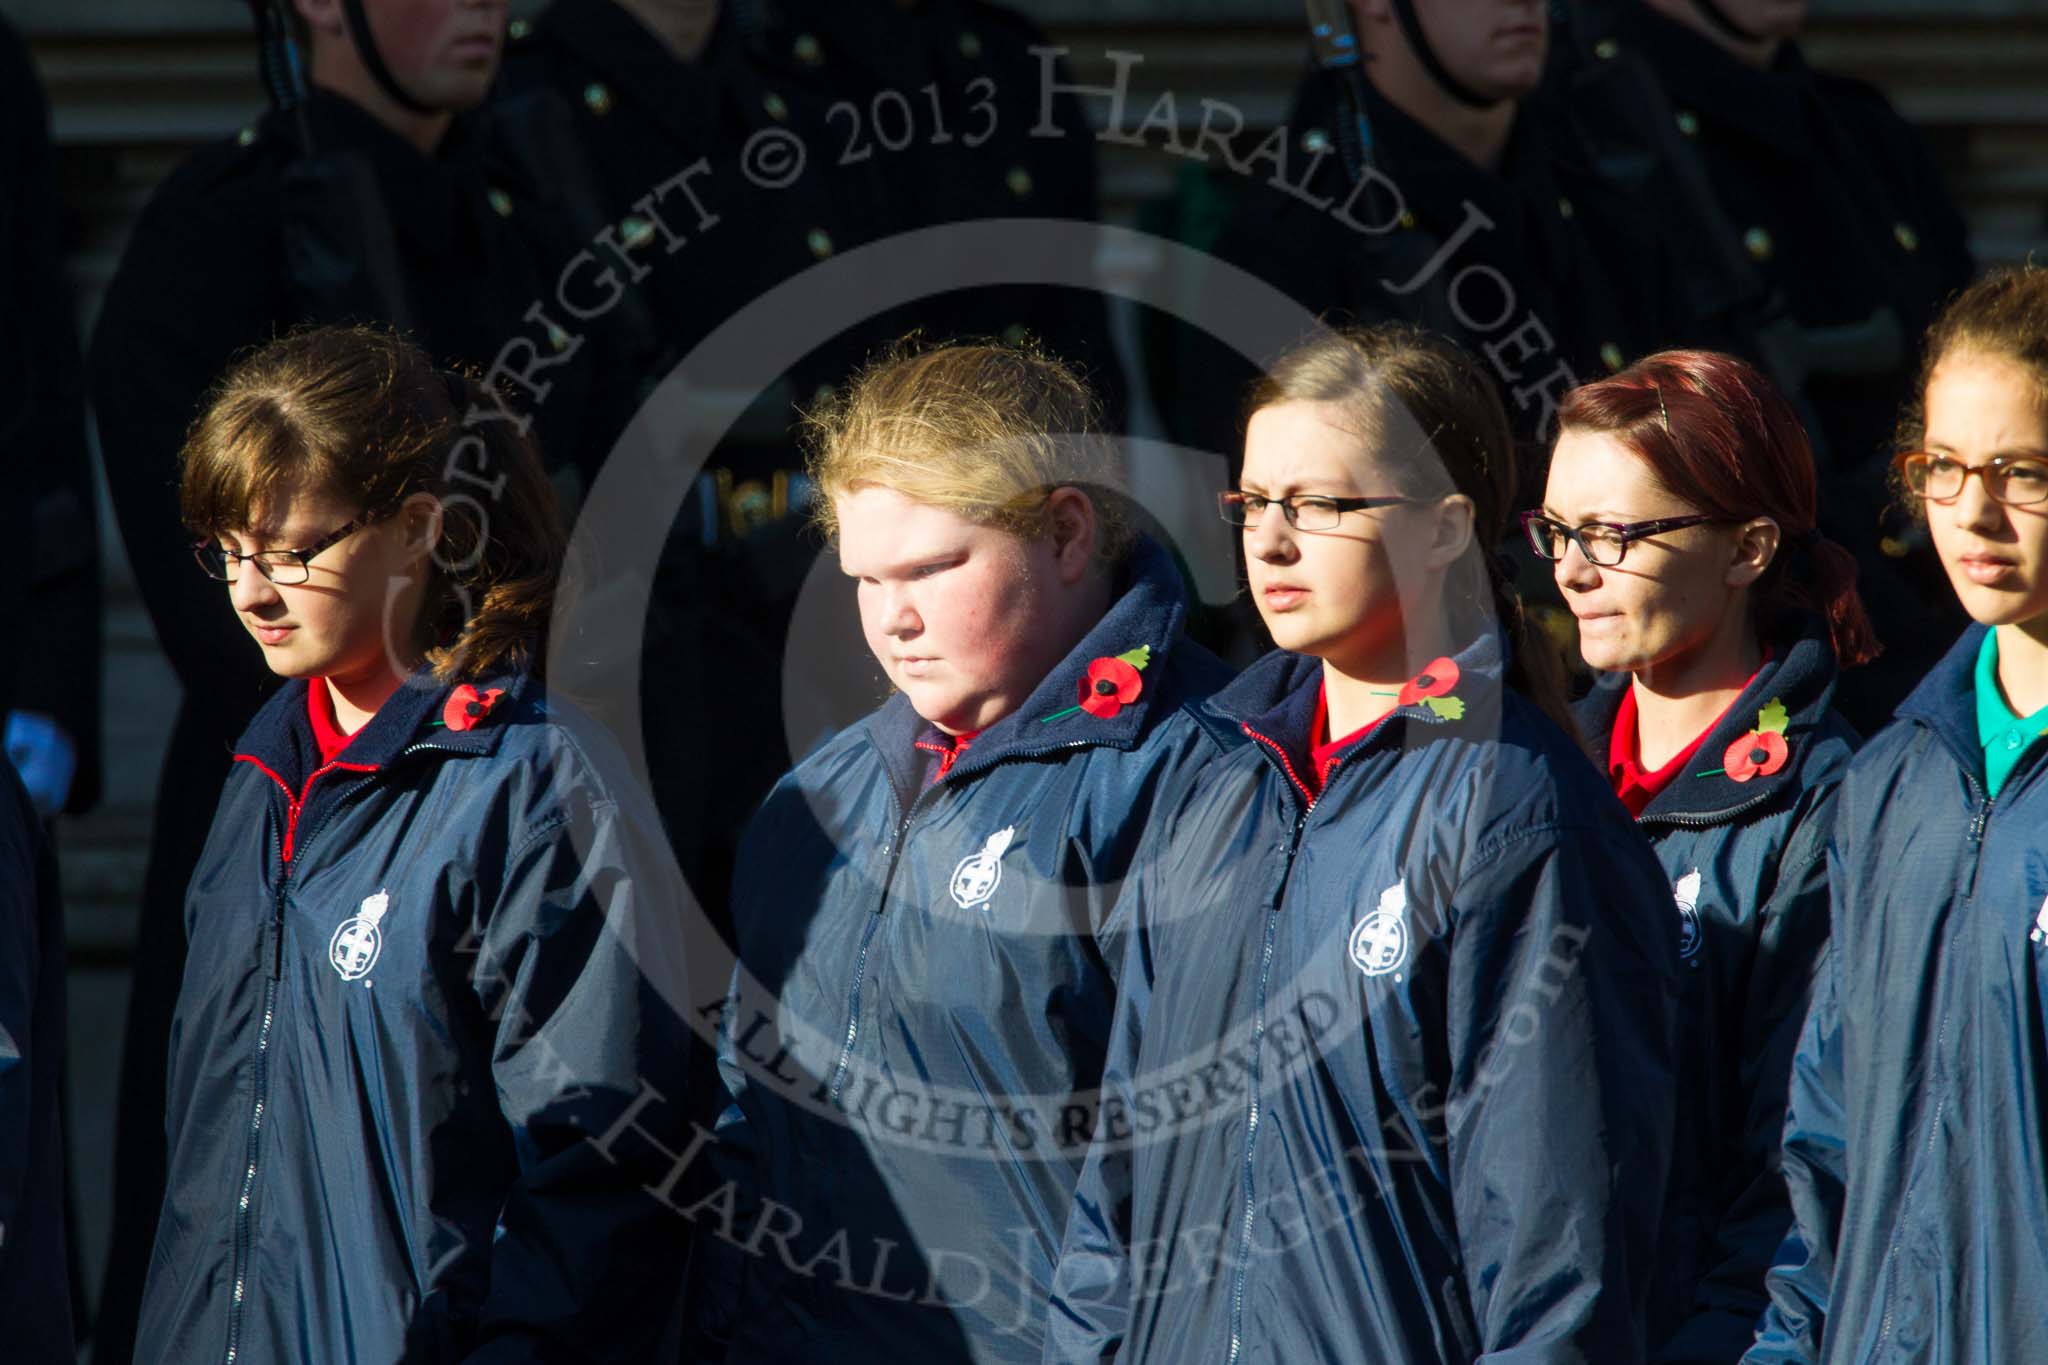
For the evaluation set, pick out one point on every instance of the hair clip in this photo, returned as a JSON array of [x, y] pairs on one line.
[[1662, 411]]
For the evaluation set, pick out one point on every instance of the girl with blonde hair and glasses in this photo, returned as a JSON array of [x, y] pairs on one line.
[[430, 940], [1395, 1024]]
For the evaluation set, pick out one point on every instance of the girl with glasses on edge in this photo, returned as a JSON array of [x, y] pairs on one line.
[[418, 996], [1391, 1079], [1913, 1145], [1679, 512]]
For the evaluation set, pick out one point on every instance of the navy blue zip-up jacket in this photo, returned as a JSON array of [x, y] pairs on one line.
[[1392, 1071], [1916, 1143], [924, 995], [413, 1018], [1747, 864], [35, 1288]]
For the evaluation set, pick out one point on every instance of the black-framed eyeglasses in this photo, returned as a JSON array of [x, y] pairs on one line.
[[287, 568], [2015, 480], [1603, 543], [1304, 511]]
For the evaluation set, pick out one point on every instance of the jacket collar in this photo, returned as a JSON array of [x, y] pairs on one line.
[[1274, 702], [1150, 611], [674, 93], [1801, 675], [280, 738], [1946, 701], [1769, 107], [437, 193]]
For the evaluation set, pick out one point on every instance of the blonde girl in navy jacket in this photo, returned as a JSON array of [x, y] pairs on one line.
[[1391, 1078]]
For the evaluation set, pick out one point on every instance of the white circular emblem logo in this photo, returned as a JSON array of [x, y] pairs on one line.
[[1379, 942], [980, 873], [1686, 891], [353, 949]]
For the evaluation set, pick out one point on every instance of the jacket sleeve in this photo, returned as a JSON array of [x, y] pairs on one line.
[[718, 1268], [1559, 1107], [35, 1294], [1091, 1285], [581, 955], [1816, 1170], [1792, 935]]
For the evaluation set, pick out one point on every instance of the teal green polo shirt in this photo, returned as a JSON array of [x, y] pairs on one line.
[[2005, 736]]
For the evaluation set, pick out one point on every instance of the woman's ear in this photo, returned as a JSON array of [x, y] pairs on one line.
[[1072, 513], [1756, 545], [419, 519], [1450, 531]]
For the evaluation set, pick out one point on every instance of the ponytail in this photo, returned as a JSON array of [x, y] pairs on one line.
[[501, 551], [1534, 669], [1814, 575]]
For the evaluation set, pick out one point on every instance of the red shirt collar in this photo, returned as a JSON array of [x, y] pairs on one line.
[[1324, 756], [949, 748], [1636, 786], [327, 732]]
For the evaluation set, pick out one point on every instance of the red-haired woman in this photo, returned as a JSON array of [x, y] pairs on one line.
[[1679, 514]]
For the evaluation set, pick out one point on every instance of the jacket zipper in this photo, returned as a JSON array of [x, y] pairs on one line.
[[860, 961], [867, 933], [1272, 907], [1251, 1127], [1706, 819], [1977, 822], [260, 1080]]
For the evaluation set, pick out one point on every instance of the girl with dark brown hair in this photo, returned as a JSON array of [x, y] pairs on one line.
[[1913, 1137], [415, 988]]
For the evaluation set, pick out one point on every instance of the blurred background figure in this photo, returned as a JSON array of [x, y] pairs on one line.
[[1835, 205], [1426, 178], [50, 675], [374, 191], [35, 1277], [50, 620]]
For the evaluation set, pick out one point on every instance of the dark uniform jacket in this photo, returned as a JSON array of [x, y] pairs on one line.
[[50, 527], [1746, 861], [35, 1283], [422, 993], [1843, 214], [924, 993], [1552, 275], [1392, 1075], [1913, 1144]]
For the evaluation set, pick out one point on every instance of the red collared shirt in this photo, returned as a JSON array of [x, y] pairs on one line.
[[1323, 756], [1636, 786], [949, 748], [327, 731]]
